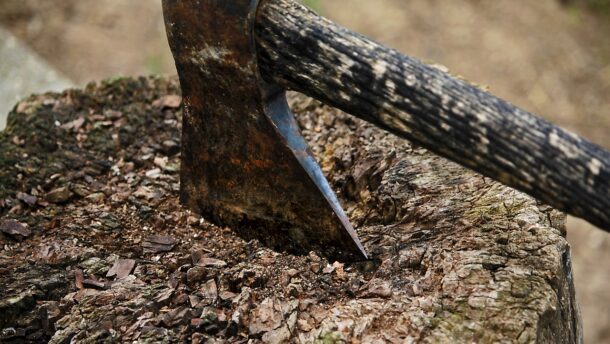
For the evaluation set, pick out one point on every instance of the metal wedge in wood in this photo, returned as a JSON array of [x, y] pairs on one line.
[[244, 161]]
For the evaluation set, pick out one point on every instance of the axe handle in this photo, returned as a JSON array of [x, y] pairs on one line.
[[310, 54]]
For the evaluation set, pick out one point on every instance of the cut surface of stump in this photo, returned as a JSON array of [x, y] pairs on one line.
[[111, 255]]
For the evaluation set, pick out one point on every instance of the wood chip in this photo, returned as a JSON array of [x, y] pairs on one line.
[[79, 278], [209, 291], [339, 270], [121, 268], [27, 199], [94, 284], [329, 269], [158, 243], [75, 124], [169, 101], [160, 161], [212, 263], [59, 195], [377, 288], [164, 297], [266, 317], [177, 316], [227, 295], [15, 229]]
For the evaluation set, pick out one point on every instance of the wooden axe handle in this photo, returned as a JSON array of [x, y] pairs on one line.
[[310, 54]]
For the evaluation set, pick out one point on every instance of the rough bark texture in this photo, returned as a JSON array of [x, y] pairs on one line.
[[458, 258], [312, 55]]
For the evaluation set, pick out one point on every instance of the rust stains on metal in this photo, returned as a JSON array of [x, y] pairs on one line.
[[244, 161]]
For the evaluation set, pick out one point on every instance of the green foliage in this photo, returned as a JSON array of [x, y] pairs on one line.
[[153, 65], [330, 338], [596, 6], [599, 5], [313, 4]]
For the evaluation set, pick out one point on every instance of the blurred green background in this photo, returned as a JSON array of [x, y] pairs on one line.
[[551, 57]]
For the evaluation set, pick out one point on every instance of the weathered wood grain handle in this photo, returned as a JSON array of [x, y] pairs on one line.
[[307, 53]]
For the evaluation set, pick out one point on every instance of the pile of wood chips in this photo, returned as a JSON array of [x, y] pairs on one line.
[[94, 245]]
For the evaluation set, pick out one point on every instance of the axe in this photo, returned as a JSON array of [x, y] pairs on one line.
[[246, 165]]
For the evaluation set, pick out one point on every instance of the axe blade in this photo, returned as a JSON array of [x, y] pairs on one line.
[[244, 161]]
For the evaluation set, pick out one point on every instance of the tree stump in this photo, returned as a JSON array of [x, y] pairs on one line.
[[95, 246]]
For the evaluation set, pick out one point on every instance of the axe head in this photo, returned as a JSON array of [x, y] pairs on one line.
[[244, 161]]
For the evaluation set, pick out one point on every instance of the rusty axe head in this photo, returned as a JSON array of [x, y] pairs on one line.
[[244, 161]]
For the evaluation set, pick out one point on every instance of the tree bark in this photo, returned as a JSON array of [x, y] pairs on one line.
[[307, 53], [457, 258]]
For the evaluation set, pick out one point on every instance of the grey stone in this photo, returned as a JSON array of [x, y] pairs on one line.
[[23, 72]]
